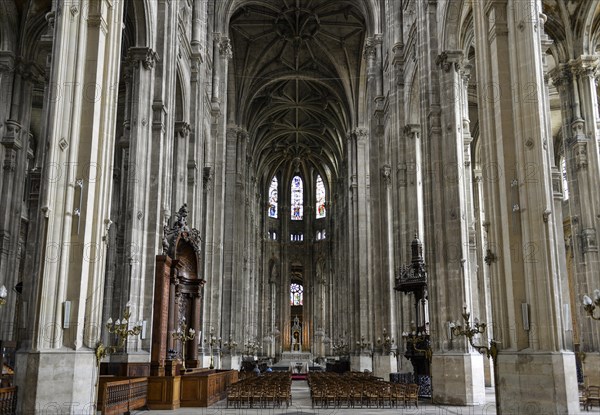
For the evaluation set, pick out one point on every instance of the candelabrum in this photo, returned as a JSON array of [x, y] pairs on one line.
[[230, 345], [251, 347], [590, 305], [3, 295], [184, 335], [211, 341], [121, 329], [471, 331], [363, 344], [419, 341], [386, 342]]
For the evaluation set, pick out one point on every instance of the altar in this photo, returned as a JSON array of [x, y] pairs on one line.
[[295, 362]]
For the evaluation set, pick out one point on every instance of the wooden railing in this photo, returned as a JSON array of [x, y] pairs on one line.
[[121, 396], [8, 401]]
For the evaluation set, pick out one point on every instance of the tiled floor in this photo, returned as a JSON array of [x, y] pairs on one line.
[[301, 405]]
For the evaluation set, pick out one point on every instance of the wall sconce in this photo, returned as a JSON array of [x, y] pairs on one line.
[[230, 345], [3, 295], [363, 344], [589, 306], [184, 336], [122, 331], [387, 342], [471, 331]]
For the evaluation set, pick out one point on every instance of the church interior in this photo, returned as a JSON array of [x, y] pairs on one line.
[[382, 192]]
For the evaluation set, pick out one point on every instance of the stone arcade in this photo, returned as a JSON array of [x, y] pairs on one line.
[[305, 142]]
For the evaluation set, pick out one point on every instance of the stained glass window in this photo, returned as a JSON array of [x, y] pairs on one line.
[[273, 198], [296, 294], [565, 182], [297, 198], [320, 193]]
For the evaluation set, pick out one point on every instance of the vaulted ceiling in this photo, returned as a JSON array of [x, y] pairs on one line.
[[297, 69]]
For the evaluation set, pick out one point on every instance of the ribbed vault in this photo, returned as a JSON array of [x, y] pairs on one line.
[[297, 66]]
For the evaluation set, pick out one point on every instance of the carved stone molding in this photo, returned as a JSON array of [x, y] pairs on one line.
[[12, 135], [182, 129], [144, 55], [580, 155], [585, 66], [370, 50], [207, 178], [225, 49], [451, 59], [590, 243], [386, 174]]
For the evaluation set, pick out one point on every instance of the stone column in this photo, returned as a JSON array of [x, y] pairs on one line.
[[575, 82], [215, 157], [80, 134], [456, 370], [524, 255], [360, 253]]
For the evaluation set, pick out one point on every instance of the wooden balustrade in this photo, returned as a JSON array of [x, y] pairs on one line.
[[8, 400], [118, 395]]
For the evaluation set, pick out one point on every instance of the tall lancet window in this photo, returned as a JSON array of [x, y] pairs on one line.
[[320, 196], [297, 198], [296, 292], [273, 198]]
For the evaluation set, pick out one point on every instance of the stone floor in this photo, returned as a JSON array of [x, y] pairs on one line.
[[301, 405]]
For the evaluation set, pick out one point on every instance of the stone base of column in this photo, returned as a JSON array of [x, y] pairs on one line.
[[360, 363], [231, 362], [591, 369], [457, 379], [537, 383], [384, 365], [488, 372], [56, 381]]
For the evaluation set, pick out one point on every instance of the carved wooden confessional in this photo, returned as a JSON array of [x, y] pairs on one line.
[[177, 297]]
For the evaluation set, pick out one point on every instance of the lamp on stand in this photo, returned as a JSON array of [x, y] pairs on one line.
[[183, 334], [211, 341]]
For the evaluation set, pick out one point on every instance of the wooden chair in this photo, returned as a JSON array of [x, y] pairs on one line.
[[412, 394], [398, 394], [593, 397]]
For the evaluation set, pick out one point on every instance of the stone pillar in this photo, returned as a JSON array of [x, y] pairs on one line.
[[456, 370], [524, 255], [86, 48], [360, 252], [575, 82]]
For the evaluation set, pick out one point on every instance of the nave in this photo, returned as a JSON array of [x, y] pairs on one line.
[[301, 404]]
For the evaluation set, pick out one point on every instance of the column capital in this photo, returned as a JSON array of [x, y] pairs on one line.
[[144, 55], [370, 49], [412, 130], [450, 59], [182, 128], [225, 49], [585, 65]]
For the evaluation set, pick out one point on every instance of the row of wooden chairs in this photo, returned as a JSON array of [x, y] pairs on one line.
[[267, 390], [332, 390]]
